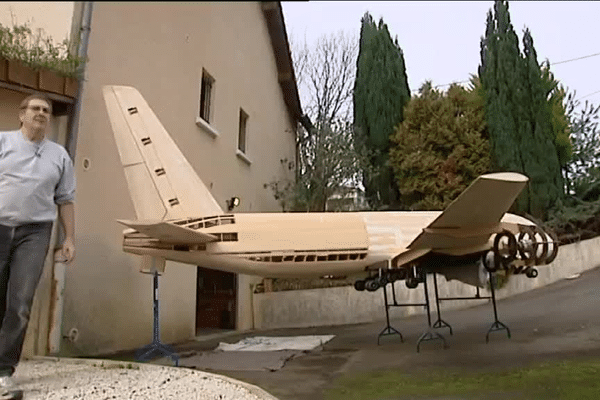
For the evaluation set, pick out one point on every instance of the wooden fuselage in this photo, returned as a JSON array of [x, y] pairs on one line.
[[302, 244]]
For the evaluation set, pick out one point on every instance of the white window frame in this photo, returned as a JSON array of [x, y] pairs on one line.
[[206, 123], [242, 137]]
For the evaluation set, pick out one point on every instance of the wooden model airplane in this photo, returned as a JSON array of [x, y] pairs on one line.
[[179, 220]]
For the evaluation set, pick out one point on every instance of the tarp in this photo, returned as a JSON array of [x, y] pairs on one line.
[[239, 360], [265, 343]]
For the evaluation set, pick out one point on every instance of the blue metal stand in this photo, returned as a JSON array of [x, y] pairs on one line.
[[156, 348]]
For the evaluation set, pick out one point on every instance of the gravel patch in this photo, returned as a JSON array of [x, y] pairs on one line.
[[65, 379]]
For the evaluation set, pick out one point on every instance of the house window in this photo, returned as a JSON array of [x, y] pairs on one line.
[[242, 135], [207, 89]]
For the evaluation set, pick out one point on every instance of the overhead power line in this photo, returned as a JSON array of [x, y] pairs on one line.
[[588, 95], [555, 63], [575, 59]]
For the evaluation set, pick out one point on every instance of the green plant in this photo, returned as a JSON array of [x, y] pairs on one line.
[[38, 50]]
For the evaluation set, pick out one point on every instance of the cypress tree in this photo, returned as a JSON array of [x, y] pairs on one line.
[[518, 113], [538, 148], [380, 93]]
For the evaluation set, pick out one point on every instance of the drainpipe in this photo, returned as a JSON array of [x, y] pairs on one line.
[[86, 20], [59, 267]]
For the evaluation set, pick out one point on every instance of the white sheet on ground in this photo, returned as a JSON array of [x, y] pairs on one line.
[[264, 343]]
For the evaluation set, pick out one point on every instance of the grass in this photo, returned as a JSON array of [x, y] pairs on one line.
[[565, 380]]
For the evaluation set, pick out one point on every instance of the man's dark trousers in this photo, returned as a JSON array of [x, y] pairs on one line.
[[23, 250]]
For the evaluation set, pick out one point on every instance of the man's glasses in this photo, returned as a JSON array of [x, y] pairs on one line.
[[46, 110]]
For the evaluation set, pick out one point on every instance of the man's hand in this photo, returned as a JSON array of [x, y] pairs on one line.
[[68, 250]]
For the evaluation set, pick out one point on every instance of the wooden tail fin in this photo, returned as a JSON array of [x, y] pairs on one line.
[[162, 184]]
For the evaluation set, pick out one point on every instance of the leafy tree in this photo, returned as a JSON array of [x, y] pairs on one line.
[[380, 93], [441, 146], [578, 216], [518, 113], [328, 160], [583, 168]]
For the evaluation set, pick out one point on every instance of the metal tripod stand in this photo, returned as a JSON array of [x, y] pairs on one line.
[[156, 348]]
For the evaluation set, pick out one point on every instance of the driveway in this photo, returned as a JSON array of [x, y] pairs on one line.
[[558, 321]]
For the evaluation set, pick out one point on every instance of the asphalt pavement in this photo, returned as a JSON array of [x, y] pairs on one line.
[[559, 321]]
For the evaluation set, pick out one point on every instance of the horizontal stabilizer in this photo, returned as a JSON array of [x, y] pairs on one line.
[[169, 233]]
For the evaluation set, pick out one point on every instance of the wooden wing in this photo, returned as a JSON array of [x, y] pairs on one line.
[[474, 216]]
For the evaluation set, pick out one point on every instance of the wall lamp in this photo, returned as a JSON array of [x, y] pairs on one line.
[[232, 203]]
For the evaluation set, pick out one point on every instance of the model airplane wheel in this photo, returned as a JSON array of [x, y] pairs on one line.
[[412, 283], [531, 272], [509, 252], [359, 285], [397, 275], [371, 285]]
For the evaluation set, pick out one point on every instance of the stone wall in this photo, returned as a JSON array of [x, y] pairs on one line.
[[344, 305]]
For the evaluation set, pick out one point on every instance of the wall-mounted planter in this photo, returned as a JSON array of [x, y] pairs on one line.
[[3, 68], [71, 86], [51, 82], [21, 74]]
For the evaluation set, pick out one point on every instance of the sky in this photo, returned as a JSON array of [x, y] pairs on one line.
[[441, 39]]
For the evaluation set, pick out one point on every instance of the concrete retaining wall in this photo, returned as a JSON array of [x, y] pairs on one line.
[[344, 305]]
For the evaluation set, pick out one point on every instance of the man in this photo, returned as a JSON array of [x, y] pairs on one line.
[[36, 175]]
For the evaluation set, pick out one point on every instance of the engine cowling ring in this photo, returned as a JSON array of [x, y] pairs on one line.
[[489, 265], [526, 243], [541, 257], [555, 244], [512, 247]]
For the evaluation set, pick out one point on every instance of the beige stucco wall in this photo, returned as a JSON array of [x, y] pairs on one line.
[[160, 49], [9, 109]]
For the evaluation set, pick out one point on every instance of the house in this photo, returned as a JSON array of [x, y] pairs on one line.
[[219, 76], [347, 198]]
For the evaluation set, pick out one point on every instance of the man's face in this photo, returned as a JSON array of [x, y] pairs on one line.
[[36, 115]]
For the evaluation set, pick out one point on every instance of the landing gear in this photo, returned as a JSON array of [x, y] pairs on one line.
[[373, 283], [359, 285], [412, 283], [531, 272], [418, 274]]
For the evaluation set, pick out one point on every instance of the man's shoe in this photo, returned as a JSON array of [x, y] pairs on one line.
[[9, 390]]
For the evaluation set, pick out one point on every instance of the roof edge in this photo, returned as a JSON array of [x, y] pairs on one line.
[[281, 48]]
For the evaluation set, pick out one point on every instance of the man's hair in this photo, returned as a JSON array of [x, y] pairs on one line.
[[39, 96]]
